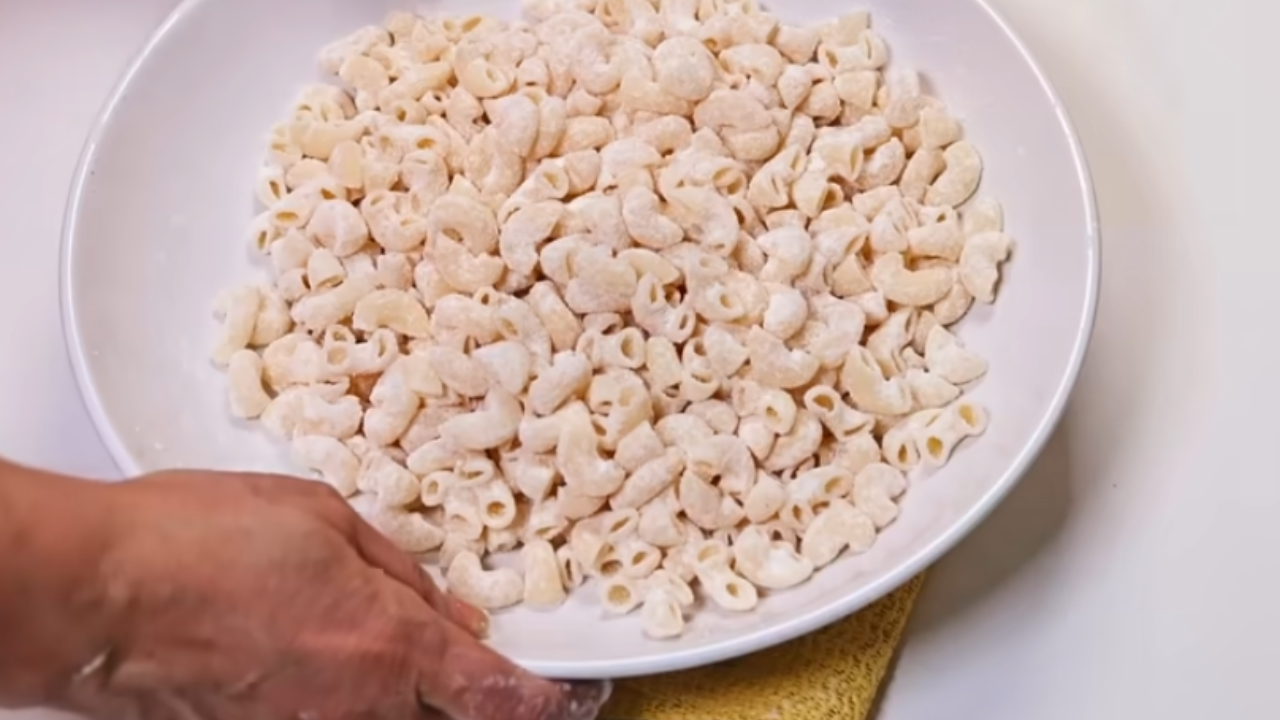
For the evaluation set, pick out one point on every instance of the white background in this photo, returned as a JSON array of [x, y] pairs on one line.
[[1133, 574]]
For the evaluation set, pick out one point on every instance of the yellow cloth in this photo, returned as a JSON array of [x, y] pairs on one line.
[[833, 674]]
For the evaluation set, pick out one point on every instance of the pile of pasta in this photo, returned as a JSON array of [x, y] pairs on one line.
[[655, 292]]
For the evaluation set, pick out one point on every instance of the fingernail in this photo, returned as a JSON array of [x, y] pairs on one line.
[[586, 699], [477, 619]]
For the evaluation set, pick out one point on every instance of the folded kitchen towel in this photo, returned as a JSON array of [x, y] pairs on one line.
[[832, 674]]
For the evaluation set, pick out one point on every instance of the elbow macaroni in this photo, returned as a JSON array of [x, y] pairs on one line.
[[660, 295]]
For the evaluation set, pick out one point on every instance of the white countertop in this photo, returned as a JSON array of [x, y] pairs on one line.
[[1131, 574]]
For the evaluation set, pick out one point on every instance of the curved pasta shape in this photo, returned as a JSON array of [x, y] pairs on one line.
[[493, 425], [769, 564], [874, 489], [396, 310], [959, 180], [728, 590], [524, 231], [837, 527], [980, 260], [946, 357], [485, 589], [777, 366]]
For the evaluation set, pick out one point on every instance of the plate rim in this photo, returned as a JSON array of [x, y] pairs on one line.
[[732, 647]]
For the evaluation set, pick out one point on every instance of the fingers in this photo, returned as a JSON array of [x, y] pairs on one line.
[[469, 681], [373, 547], [381, 553]]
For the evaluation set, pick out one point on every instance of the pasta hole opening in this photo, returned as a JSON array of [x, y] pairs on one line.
[[614, 325], [495, 510], [619, 525], [968, 414], [654, 294], [854, 160], [903, 455], [631, 346], [598, 426], [287, 217], [935, 447], [262, 240], [735, 590], [825, 402], [724, 177], [619, 595], [612, 568]]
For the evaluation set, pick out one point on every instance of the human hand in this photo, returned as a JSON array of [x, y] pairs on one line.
[[259, 596]]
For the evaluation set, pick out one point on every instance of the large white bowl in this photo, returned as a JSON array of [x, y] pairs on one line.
[[156, 226]]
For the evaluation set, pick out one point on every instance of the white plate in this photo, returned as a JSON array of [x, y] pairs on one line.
[[156, 227]]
